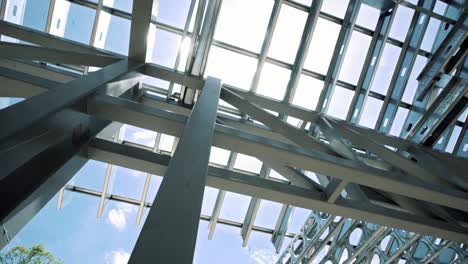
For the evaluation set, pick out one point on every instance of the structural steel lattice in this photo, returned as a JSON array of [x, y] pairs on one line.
[[407, 200]]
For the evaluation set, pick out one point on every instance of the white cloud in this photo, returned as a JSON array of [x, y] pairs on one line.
[[118, 216], [263, 257], [117, 257]]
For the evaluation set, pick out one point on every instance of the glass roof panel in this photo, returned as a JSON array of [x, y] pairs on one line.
[[453, 139], [370, 112], [35, 14], [234, 207], [412, 84], [267, 214], [368, 17], [248, 163], [118, 34], [355, 57], [173, 12], [233, 68], [248, 32], [335, 7], [401, 23], [209, 200], [165, 48], [90, 176], [219, 156], [307, 92], [287, 34], [340, 102], [126, 182], [273, 81], [124, 5], [399, 121], [322, 46], [430, 34], [385, 69]]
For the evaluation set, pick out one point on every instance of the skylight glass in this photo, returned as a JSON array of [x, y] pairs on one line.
[[233, 68], [399, 121], [308, 92], [453, 139], [355, 57], [287, 34], [322, 46], [35, 14], [401, 23], [340, 102], [335, 7], [412, 84], [273, 81], [233, 57], [385, 69], [248, 163], [368, 17], [118, 34], [248, 32], [234, 207], [173, 12], [91, 175], [370, 112], [127, 182], [165, 48], [430, 34], [267, 214], [219, 156]]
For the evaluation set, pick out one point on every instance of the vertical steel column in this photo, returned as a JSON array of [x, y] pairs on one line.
[[176, 208], [404, 67], [370, 65], [141, 18], [197, 68]]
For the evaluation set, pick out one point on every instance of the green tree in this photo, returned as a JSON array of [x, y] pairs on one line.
[[34, 255]]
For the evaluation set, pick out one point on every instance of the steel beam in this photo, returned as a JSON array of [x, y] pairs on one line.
[[404, 67], [379, 39], [142, 159], [26, 189], [182, 188], [197, 67], [141, 18], [303, 49], [339, 53], [51, 55], [28, 112], [266, 44], [442, 60], [312, 160], [47, 40]]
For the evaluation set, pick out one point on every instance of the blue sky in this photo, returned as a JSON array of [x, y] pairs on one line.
[[75, 234]]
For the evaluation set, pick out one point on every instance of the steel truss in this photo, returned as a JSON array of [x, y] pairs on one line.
[[67, 119]]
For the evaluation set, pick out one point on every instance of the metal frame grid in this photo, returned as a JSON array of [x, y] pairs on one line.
[[362, 174]]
